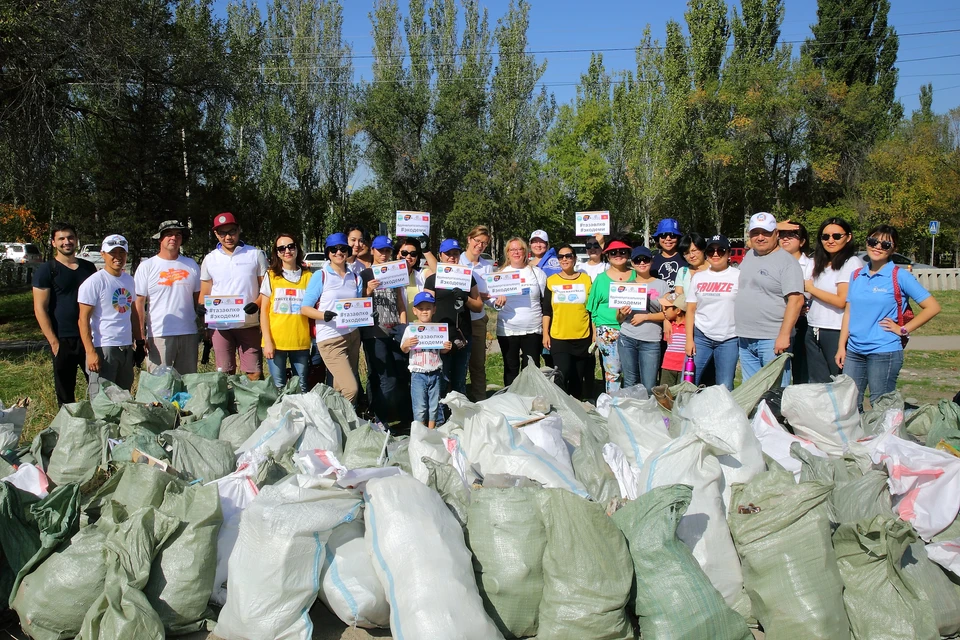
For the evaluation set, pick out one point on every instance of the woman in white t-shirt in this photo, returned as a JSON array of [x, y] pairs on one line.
[[834, 261], [520, 318], [711, 330]]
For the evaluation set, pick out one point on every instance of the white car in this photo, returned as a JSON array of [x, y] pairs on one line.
[[22, 253], [314, 259], [91, 252]]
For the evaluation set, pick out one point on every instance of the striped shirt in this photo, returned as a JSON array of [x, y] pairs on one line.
[[677, 349]]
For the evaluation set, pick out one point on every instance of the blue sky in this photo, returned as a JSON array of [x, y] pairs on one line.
[[612, 24]]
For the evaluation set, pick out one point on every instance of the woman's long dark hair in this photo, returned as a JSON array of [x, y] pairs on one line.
[[415, 242], [276, 264], [822, 259]]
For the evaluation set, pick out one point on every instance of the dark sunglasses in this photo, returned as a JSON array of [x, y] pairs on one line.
[[835, 236], [406, 253], [619, 253], [642, 260], [788, 235], [591, 245], [287, 247], [340, 248], [716, 251], [670, 236], [566, 256], [886, 245]]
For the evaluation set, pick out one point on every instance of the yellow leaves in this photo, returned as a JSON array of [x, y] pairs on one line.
[[19, 224], [740, 122], [827, 169]]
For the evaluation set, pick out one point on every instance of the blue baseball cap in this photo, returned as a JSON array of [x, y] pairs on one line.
[[667, 225], [640, 251], [381, 242], [423, 296], [449, 245], [336, 239]]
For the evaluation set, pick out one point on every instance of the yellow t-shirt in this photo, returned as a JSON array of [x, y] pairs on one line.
[[290, 329], [568, 299]]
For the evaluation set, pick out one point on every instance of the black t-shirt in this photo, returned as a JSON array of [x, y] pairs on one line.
[[667, 268], [63, 283], [385, 308], [451, 308]]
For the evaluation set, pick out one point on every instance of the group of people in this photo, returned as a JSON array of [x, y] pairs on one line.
[[832, 310]]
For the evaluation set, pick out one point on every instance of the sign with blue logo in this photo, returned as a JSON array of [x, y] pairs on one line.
[[934, 227]]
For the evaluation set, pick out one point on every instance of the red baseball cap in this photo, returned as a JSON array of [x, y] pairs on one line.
[[616, 244], [223, 218]]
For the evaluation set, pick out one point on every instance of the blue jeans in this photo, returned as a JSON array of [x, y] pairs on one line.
[[640, 361], [756, 353], [724, 354], [299, 360], [879, 371], [425, 390]]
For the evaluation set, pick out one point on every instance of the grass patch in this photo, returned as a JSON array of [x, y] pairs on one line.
[[929, 376], [947, 322], [31, 375], [17, 321]]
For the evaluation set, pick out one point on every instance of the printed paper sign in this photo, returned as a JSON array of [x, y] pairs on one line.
[[628, 294], [569, 294], [454, 276], [354, 312], [430, 336], [413, 223], [224, 310], [504, 284], [287, 301], [590, 223], [391, 274]]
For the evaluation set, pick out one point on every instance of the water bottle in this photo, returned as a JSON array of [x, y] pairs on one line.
[[689, 370]]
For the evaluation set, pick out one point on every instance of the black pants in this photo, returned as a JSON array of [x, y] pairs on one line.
[[576, 366], [388, 380], [798, 347], [70, 356], [529, 344], [822, 345]]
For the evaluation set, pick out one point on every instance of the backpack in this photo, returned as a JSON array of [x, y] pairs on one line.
[[904, 312]]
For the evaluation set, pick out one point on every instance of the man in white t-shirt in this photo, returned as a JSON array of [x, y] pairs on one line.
[[108, 319], [169, 282], [234, 271]]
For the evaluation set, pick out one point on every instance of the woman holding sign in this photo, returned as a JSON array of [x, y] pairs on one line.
[[604, 316], [566, 324], [286, 332], [338, 342], [520, 321], [641, 324], [455, 290], [387, 371]]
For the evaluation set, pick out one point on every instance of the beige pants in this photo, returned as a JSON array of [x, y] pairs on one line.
[[478, 360], [179, 352], [342, 357]]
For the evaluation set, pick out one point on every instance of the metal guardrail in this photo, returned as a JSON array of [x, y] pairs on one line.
[[15, 276], [938, 279]]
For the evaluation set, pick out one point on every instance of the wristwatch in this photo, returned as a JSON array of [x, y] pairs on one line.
[[904, 333]]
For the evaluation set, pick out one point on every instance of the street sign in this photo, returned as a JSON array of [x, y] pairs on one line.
[[934, 227]]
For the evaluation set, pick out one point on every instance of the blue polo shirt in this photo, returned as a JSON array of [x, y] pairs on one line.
[[871, 300]]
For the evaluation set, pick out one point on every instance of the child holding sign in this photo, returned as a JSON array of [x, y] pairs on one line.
[[426, 367]]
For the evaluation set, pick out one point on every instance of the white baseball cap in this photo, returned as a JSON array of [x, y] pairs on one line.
[[540, 234], [763, 220], [113, 241]]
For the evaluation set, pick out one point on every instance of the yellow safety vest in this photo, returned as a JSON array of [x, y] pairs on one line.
[[290, 329]]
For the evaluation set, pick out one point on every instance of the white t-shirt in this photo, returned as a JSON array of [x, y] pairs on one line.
[[522, 314], [482, 268], [714, 293], [821, 314], [171, 288], [592, 270], [235, 275], [112, 300], [290, 276], [421, 360]]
